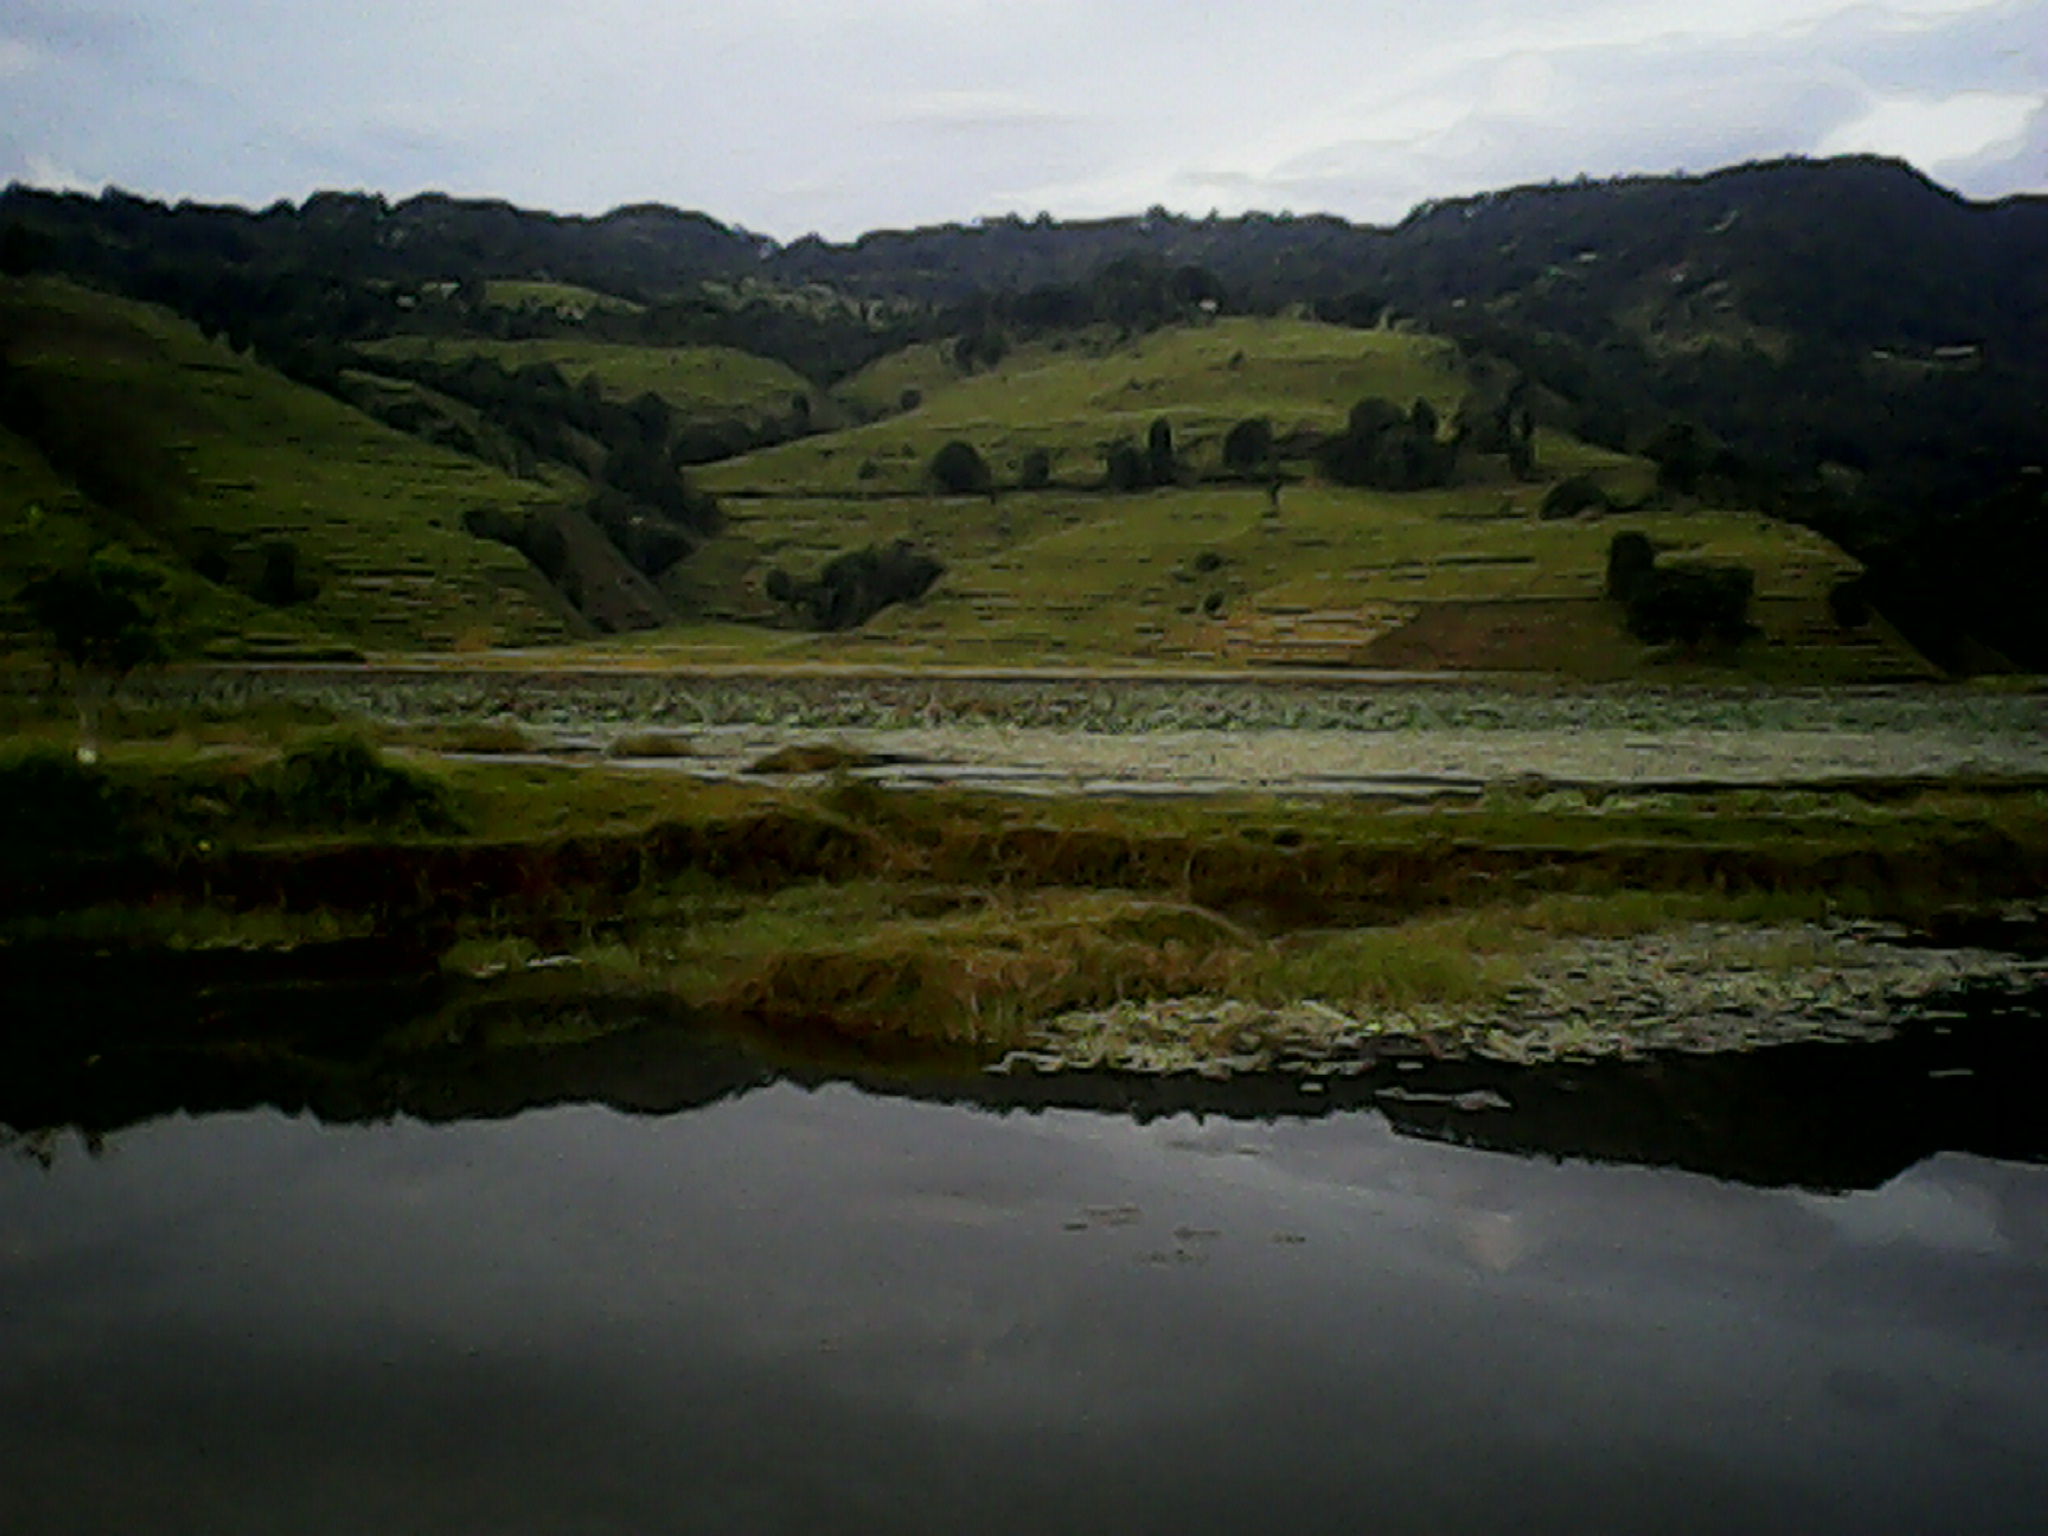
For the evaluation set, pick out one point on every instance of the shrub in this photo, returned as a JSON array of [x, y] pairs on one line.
[[1124, 468], [1388, 449], [1568, 498], [1248, 447], [854, 587], [958, 469], [342, 780], [1690, 603]]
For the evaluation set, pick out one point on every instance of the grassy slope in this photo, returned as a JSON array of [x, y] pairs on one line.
[[695, 381], [377, 515], [1467, 576]]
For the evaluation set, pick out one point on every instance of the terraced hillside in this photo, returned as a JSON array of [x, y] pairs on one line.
[[696, 381], [145, 431], [1209, 570]]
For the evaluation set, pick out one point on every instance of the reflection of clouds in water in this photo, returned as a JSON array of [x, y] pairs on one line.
[[1496, 1240], [1951, 1203]]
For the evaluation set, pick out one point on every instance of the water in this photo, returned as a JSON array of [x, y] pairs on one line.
[[487, 1296]]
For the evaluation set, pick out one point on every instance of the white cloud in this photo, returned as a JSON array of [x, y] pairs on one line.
[[965, 109], [1932, 134], [42, 171], [17, 58]]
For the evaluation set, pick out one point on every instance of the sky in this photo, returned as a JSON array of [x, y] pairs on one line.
[[840, 116]]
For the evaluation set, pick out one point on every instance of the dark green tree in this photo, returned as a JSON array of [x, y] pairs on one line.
[[1124, 468], [1160, 467], [1248, 447], [104, 618], [1630, 558], [959, 470]]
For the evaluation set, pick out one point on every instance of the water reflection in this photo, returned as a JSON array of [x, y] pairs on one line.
[[1825, 1117], [808, 1307]]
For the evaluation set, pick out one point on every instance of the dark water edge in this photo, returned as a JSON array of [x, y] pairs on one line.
[[104, 1050]]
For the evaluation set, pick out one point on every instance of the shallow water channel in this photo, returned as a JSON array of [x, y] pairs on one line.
[[654, 1283]]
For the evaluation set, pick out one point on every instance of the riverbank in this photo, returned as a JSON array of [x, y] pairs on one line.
[[1233, 933]]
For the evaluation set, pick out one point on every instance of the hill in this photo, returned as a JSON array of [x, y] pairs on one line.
[[1205, 569], [1842, 345], [124, 422]]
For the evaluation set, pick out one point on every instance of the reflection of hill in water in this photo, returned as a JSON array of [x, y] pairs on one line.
[[1819, 1116]]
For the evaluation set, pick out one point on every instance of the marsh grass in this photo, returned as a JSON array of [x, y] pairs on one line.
[[873, 913]]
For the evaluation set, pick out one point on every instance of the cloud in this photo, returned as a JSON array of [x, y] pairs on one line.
[[1933, 134], [42, 171], [967, 109], [17, 58], [795, 114]]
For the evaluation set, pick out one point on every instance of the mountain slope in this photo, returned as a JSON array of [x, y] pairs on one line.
[[174, 442]]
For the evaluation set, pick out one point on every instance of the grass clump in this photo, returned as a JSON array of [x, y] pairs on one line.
[[343, 781]]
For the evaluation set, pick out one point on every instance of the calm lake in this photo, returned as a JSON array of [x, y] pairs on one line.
[[654, 1284]]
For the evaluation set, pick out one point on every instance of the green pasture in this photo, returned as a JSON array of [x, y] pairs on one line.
[[696, 381], [1076, 397], [1209, 576]]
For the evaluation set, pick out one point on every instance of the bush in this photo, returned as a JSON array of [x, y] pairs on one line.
[[1690, 603], [1248, 447], [1388, 449], [1568, 498], [959, 470], [855, 587], [342, 780], [1124, 468]]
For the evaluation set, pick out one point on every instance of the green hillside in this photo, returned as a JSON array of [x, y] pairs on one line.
[[1075, 397], [177, 444], [695, 381], [147, 432], [1205, 572]]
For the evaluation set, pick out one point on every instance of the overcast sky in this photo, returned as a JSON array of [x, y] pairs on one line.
[[840, 116]]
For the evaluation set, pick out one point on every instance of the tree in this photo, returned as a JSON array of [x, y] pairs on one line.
[[1389, 449], [1630, 559], [1124, 468], [104, 618], [856, 586], [1248, 447], [959, 470], [1159, 461]]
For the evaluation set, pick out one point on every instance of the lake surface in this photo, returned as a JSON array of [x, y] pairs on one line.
[[759, 1302]]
